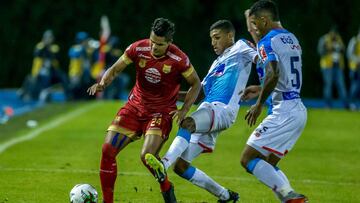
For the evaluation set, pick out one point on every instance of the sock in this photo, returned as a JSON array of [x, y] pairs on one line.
[[285, 179], [177, 147], [108, 172], [165, 185], [200, 179], [282, 175], [267, 174]]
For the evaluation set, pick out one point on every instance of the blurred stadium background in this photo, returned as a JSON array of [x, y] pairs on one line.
[[23, 23], [62, 148]]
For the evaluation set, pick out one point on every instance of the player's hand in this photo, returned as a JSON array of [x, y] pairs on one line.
[[97, 87], [178, 115], [250, 92], [253, 113]]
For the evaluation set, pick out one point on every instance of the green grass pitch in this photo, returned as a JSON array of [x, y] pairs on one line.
[[64, 150]]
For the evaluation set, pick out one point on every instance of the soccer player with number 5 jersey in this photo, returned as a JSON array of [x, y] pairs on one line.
[[280, 53]]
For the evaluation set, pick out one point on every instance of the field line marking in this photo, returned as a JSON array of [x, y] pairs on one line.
[[52, 124], [125, 173]]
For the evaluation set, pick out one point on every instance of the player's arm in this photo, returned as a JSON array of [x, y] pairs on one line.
[[200, 97], [193, 92], [250, 92], [271, 79], [109, 75], [193, 80]]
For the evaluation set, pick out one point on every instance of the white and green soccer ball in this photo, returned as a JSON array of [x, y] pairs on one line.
[[83, 193]]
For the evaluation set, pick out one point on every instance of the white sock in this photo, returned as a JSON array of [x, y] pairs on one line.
[[267, 174], [204, 181], [177, 147], [283, 176]]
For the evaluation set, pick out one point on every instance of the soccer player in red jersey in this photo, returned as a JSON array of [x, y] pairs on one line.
[[151, 106]]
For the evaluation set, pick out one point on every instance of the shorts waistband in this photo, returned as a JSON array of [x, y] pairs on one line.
[[283, 96]]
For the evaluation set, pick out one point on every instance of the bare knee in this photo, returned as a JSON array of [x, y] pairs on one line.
[[181, 166], [189, 124], [248, 155]]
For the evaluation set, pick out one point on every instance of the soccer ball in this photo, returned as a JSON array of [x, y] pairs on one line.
[[83, 193]]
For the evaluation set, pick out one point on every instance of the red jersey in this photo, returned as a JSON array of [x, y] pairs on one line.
[[157, 79]]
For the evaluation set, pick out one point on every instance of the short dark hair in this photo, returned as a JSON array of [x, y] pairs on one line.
[[224, 25], [265, 5], [163, 27]]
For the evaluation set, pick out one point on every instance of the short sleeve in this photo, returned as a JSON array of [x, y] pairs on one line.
[[130, 54], [187, 68], [266, 51]]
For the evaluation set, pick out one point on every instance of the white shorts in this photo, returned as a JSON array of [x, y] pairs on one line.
[[210, 119], [278, 132]]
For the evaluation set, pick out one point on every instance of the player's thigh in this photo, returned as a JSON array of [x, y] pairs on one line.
[[203, 118], [127, 123], [211, 117]]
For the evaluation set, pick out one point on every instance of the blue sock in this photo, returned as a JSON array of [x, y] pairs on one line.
[[189, 173], [186, 134]]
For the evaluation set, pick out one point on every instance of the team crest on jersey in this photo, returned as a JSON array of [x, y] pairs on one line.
[[152, 75], [142, 63], [166, 69], [117, 119], [263, 54]]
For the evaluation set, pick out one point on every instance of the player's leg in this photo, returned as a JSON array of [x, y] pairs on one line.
[[292, 196], [200, 121], [255, 163], [157, 133], [197, 177], [114, 143], [124, 129], [268, 144]]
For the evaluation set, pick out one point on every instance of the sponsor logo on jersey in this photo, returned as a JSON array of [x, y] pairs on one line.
[[166, 69], [173, 56], [142, 63], [143, 48], [152, 75], [219, 70], [263, 54]]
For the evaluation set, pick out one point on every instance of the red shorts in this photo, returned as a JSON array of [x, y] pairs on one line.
[[132, 124]]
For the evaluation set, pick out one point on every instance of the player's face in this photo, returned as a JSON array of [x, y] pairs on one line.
[[158, 45], [257, 24], [220, 40]]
